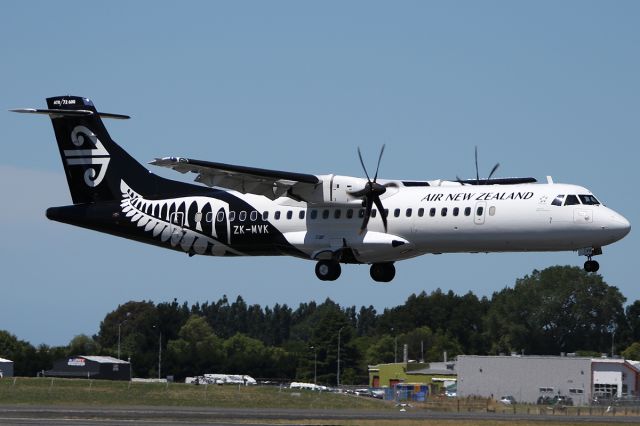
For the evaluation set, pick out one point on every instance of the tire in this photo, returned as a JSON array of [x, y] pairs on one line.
[[382, 272], [328, 270]]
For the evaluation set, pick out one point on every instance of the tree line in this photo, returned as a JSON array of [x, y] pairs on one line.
[[559, 309]]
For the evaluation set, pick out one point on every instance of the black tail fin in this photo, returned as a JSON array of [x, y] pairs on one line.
[[94, 164]]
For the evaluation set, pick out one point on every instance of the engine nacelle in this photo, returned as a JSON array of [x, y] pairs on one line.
[[338, 189]]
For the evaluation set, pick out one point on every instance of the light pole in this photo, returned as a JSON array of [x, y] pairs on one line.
[[119, 325], [315, 364], [160, 356], [395, 346], [613, 336], [159, 351], [338, 378]]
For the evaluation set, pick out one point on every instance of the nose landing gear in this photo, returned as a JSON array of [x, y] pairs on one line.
[[591, 265]]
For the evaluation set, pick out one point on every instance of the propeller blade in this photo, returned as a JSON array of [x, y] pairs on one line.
[[378, 166], [493, 171], [363, 167], [367, 215], [477, 174], [378, 203]]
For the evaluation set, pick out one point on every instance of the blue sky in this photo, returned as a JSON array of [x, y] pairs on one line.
[[544, 88]]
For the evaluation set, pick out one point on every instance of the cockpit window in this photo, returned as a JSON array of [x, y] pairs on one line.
[[571, 200], [589, 200], [558, 200]]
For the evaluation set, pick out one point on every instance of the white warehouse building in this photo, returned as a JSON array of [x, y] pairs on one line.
[[6, 368], [527, 378]]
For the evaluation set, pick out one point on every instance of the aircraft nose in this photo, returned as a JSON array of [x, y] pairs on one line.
[[619, 225]]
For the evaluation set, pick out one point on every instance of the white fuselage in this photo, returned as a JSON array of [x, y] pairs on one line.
[[447, 219]]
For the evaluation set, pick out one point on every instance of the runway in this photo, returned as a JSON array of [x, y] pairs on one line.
[[161, 416]]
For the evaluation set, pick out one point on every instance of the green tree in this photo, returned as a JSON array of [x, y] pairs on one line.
[[197, 351], [555, 310], [245, 355], [632, 352], [83, 345]]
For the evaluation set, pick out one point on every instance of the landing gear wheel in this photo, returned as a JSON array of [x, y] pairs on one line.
[[383, 272], [328, 270], [591, 266]]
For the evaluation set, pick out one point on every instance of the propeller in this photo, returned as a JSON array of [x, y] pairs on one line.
[[371, 194], [485, 181]]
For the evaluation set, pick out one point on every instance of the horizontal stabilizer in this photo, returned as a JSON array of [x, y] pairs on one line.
[[68, 113]]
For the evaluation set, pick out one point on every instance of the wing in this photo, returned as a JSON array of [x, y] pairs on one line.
[[270, 183]]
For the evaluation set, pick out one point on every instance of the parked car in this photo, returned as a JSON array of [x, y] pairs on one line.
[[562, 400], [363, 392], [378, 393], [508, 400]]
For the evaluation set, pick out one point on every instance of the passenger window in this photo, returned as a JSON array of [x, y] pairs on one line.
[[232, 216], [479, 211], [209, 216], [276, 216], [456, 211], [265, 215], [558, 200], [571, 200], [467, 211], [361, 213], [198, 217], [337, 213], [301, 214], [443, 212], [314, 214], [396, 213], [589, 200], [253, 216], [349, 213], [325, 214], [243, 216], [432, 212], [409, 211], [373, 213], [386, 212], [492, 210], [289, 214], [420, 212]]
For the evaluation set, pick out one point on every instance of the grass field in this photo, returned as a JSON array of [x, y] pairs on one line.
[[75, 392], [47, 391]]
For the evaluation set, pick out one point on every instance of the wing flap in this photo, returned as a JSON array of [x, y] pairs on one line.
[[270, 183]]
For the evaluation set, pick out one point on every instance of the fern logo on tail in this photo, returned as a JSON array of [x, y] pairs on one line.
[[90, 153]]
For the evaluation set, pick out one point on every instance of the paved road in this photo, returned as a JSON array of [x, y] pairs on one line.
[[160, 416]]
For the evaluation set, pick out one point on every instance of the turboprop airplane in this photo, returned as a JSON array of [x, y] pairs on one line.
[[329, 219]]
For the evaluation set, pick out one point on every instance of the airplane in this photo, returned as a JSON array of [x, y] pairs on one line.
[[329, 219]]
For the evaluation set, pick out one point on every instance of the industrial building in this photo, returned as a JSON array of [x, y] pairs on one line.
[[528, 378], [91, 367], [436, 375], [6, 368]]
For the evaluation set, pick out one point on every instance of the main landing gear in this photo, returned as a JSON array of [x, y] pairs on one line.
[[328, 270], [383, 272]]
